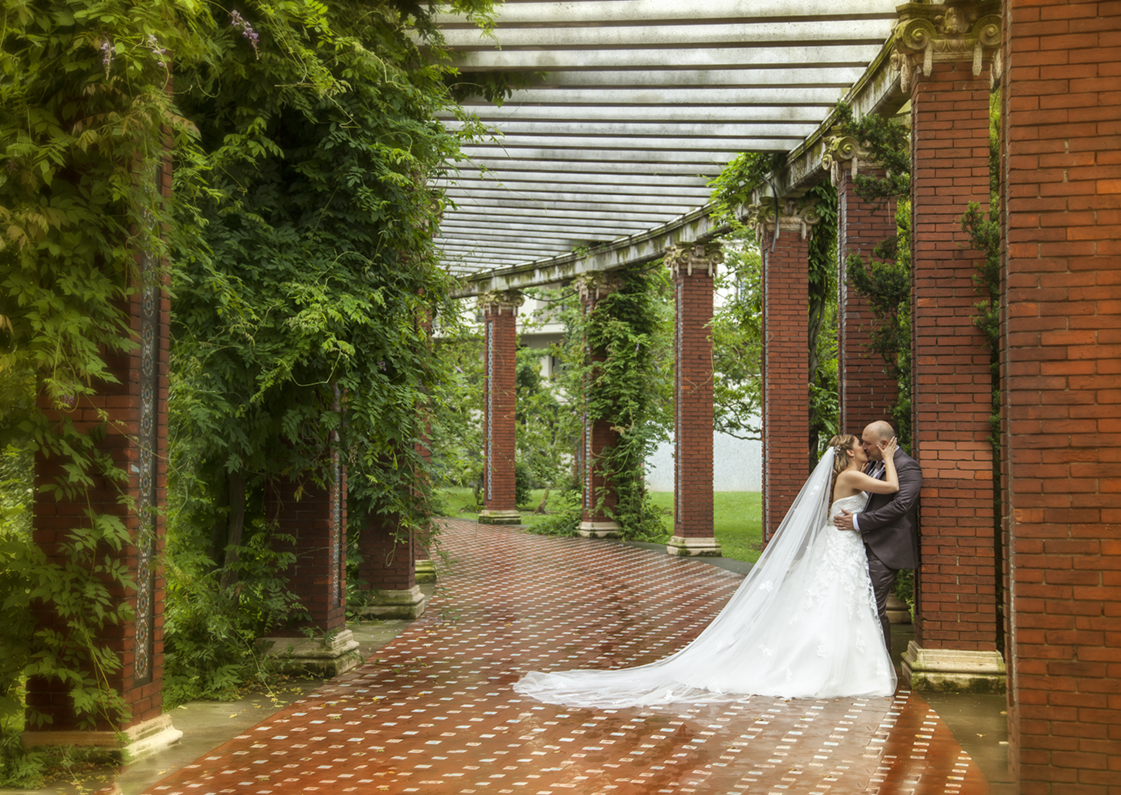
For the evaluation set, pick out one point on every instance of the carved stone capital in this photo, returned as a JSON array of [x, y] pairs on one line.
[[596, 284], [796, 215], [498, 301], [840, 149], [959, 30], [696, 257]]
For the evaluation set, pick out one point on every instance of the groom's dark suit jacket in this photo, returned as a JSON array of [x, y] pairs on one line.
[[890, 522]]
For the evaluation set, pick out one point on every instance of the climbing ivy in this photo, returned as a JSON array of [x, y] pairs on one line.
[[885, 279], [631, 388], [301, 258], [822, 289], [86, 120]]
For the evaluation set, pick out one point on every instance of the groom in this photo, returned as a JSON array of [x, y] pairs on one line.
[[889, 522]]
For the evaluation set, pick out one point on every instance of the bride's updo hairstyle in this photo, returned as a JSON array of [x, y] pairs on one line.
[[841, 445]]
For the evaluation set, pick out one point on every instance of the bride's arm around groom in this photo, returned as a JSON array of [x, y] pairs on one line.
[[889, 522]]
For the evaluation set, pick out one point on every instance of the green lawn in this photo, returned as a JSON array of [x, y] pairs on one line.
[[737, 516]]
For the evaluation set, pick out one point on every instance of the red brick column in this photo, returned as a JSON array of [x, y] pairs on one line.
[[136, 442], [693, 270], [867, 392], [314, 517], [388, 569], [786, 360], [600, 497], [956, 618], [500, 349], [1061, 386]]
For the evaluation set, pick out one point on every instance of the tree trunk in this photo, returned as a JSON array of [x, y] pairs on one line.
[[541, 508], [235, 526]]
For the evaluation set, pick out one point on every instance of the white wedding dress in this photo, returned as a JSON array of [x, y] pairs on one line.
[[803, 624]]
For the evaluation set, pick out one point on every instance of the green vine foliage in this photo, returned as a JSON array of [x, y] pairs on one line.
[[300, 312], [733, 187], [737, 341], [885, 278], [822, 313], [631, 388], [86, 120], [302, 269]]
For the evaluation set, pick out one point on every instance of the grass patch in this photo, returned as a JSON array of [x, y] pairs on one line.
[[737, 516]]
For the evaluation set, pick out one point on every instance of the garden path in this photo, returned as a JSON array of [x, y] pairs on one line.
[[433, 711]]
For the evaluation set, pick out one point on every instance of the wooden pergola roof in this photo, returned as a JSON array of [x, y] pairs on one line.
[[642, 103]]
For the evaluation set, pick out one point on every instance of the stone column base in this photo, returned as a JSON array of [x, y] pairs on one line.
[[135, 742], [396, 604], [897, 610], [688, 547], [320, 656], [500, 517], [600, 530], [425, 571], [953, 671]]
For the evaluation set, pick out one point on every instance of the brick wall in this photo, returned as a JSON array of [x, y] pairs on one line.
[[866, 391], [786, 368], [500, 352], [951, 363], [1061, 375], [388, 562], [693, 400]]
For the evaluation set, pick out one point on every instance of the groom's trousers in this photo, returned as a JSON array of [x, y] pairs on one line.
[[883, 578]]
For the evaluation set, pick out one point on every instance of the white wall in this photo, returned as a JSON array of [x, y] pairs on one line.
[[736, 465]]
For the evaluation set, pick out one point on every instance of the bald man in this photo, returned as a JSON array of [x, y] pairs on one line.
[[889, 522]]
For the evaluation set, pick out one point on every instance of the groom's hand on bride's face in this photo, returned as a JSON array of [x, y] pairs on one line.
[[843, 520]]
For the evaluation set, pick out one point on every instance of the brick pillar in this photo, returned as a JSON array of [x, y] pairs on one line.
[[786, 359], [867, 392], [1061, 374], [314, 517], [136, 441], [600, 497], [388, 569], [500, 311], [956, 621], [693, 269], [424, 568]]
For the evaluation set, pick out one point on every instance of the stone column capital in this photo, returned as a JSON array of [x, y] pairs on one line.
[[596, 284], [794, 214], [696, 257], [959, 30], [841, 149], [495, 302]]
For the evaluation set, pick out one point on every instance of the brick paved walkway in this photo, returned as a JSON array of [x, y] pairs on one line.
[[433, 712]]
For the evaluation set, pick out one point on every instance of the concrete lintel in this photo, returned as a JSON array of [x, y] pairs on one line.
[[877, 91], [953, 670], [147, 737], [692, 227], [687, 547]]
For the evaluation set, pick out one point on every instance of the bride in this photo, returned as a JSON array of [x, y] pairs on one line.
[[803, 623]]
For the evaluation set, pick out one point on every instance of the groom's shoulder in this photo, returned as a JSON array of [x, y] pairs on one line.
[[906, 459]]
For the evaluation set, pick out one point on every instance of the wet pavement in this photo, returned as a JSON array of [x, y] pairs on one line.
[[433, 710]]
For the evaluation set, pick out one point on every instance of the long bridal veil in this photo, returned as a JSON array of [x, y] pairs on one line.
[[746, 647]]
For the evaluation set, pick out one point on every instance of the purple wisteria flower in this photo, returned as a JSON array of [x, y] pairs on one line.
[[157, 50], [247, 32], [108, 51]]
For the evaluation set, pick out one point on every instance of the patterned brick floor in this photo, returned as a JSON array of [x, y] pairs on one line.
[[434, 712]]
